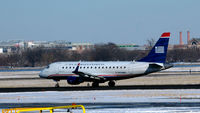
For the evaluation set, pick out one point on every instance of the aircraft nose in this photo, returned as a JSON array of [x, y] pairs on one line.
[[42, 74]]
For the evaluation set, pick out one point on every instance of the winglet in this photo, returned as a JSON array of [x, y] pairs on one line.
[[76, 70]]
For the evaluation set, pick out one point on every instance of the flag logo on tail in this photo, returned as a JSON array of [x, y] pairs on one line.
[[159, 49]]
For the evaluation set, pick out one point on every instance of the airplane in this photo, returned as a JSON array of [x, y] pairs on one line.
[[76, 72]]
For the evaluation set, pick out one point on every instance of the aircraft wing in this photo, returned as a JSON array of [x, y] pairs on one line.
[[87, 75]]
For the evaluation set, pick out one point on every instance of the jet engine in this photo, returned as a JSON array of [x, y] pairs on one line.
[[74, 80]]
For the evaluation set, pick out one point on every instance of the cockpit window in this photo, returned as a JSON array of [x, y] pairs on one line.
[[47, 67]]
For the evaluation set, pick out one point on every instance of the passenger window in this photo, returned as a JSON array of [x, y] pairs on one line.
[[69, 67], [110, 67], [63, 67], [47, 66], [124, 67], [117, 67], [113, 67], [121, 67]]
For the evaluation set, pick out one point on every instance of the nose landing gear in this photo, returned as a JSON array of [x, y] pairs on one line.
[[57, 84]]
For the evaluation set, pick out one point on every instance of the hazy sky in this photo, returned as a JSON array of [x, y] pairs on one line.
[[98, 21]]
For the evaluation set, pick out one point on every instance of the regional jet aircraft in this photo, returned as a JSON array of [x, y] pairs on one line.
[[111, 71]]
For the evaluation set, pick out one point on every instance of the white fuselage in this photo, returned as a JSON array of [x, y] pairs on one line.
[[110, 70]]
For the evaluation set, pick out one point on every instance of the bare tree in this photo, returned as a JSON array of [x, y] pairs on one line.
[[150, 43]]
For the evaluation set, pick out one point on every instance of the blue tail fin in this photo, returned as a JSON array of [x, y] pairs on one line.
[[159, 51]]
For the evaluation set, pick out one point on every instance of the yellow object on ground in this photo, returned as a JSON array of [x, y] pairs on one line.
[[51, 109]]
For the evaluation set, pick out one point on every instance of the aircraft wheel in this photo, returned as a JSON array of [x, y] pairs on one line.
[[95, 84], [111, 83], [57, 85]]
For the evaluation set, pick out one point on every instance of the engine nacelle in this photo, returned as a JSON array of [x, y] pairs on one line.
[[74, 80]]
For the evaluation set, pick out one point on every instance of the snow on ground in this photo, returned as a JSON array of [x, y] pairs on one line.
[[146, 110], [191, 96], [138, 110], [115, 96], [134, 110]]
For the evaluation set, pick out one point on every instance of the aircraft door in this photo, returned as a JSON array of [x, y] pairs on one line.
[[131, 69], [59, 69]]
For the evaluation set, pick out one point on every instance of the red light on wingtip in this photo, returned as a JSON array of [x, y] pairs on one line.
[[166, 34]]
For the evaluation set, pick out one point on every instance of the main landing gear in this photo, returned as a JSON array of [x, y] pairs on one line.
[[95, 84], [111, 83], [57, 84]]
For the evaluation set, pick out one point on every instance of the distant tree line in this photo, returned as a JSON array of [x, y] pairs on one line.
[[184, 55], [101, 52]]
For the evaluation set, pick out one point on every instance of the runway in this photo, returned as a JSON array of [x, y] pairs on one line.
[[88, 88], [105, 105]]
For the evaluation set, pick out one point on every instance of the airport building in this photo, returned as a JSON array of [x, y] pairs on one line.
[[191, 43], [194, 42], [81, 46], [13, 46], [131, 47], [19, 45]]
